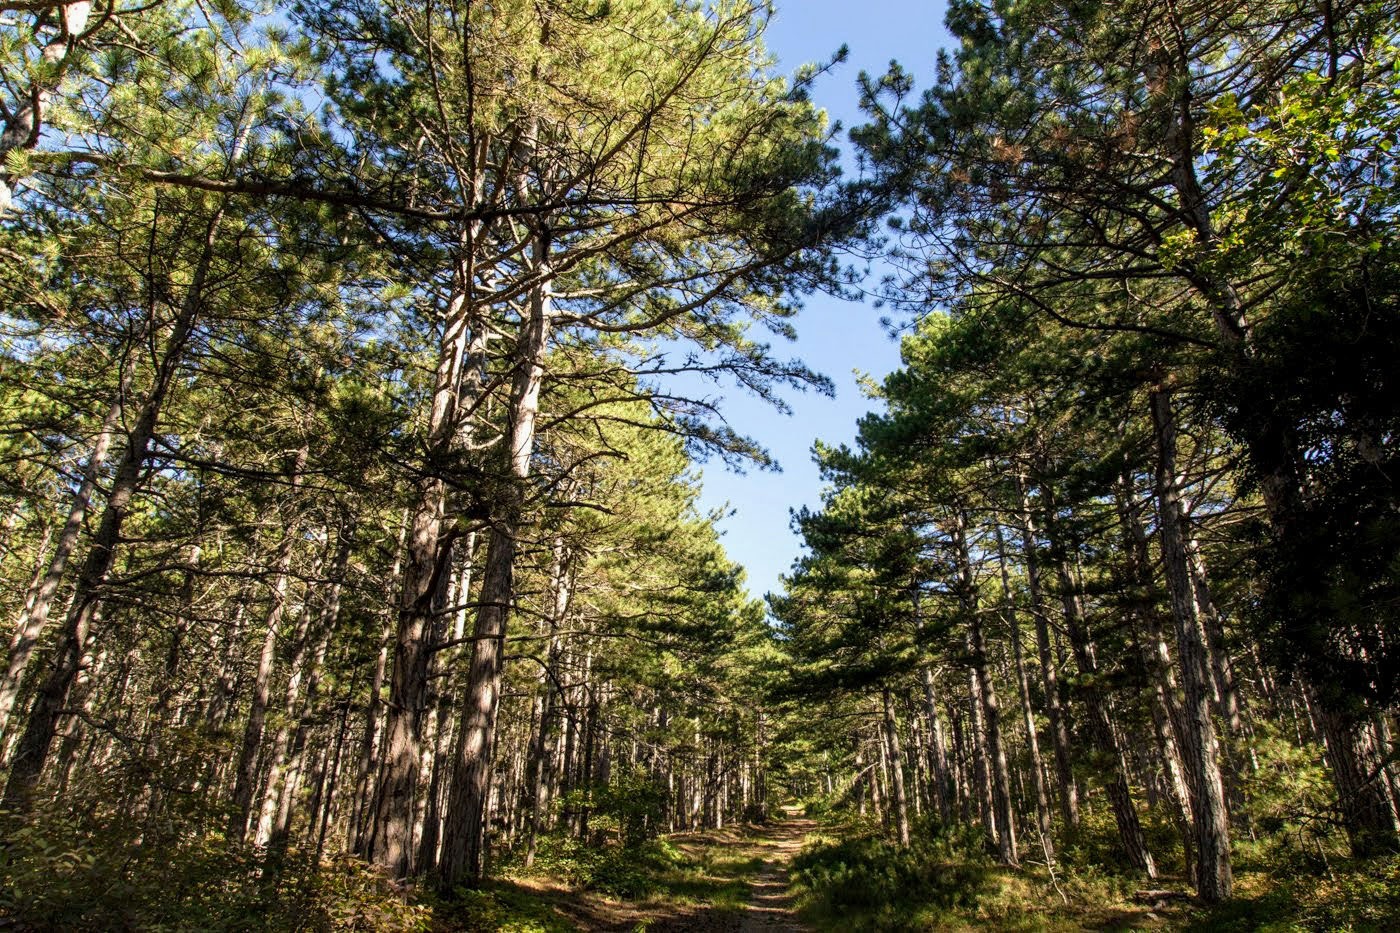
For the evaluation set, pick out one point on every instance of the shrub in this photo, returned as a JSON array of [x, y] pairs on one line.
[[868, 875]]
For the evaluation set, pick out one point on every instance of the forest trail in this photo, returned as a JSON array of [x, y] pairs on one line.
[[741, 886], [770, 905]]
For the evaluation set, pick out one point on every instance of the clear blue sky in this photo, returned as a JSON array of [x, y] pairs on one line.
[[834, 337]]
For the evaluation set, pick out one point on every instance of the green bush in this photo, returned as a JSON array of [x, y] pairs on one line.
[[868, 875], [89, 868]]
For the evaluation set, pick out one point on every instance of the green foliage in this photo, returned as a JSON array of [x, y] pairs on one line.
[[1347, 896], [887, 886], [625, 871], [630, 808], [66, 871], [501, 909]]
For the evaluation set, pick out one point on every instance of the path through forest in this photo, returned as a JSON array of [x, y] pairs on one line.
[[770, 904], [741, 886]]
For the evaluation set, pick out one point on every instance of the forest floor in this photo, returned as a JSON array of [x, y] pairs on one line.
[[739, 879], [732, 880]]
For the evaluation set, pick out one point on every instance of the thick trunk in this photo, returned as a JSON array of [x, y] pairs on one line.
[[1274, 453], [426, 572], [443, 731], [464, 839]]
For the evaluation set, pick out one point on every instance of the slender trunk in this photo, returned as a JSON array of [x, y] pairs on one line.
[[34, 616], [942, 777], [1042, 796], [1214, 879], [937, 751], [1168, 726], [1100, 723], [541, 749], [362, 817], [31, 754], [280, 827], [246, 771], [896, 765], [1005, 832], [981, 773], [1059, 729]]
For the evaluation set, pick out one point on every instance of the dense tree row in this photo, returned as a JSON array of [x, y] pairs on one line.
[[1123, 538], [347, 502]]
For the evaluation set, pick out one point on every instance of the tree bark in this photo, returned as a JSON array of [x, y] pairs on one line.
[[1042, 796], [1059, 730], [1214, 878], [464, 838], [427, 568], [896, 764]]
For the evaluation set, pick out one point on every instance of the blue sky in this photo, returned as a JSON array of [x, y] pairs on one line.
[[836, 338]]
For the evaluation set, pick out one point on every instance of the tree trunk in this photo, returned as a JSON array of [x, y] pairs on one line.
[[464, 838], [1059, 730], [363, 816], [900, 803], [1168, 727], [246, 772], [1100, 724], [1042, 796], [34, 616], [32, 752], [426, 571], [1214, 879], [1005, 830]]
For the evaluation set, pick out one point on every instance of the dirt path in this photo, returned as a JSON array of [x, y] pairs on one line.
[[743, 888], [770, 904]]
